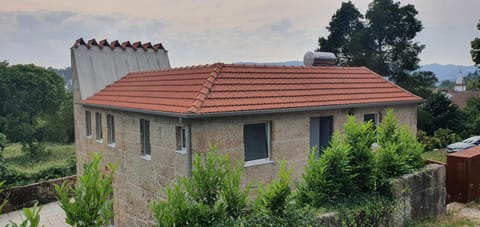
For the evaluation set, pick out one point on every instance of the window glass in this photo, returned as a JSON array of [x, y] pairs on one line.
[[145, 137], [88, 123], [111, 129], [98, 125], [255, 141]]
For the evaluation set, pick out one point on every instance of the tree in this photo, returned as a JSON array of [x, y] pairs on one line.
[[475, 51], [472, 112], [419, 83], [344, 24], [444, 114], [28, 95], [384, 42], [446, 84]]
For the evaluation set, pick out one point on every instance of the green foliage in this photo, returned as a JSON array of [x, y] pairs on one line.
[[32, 217], [211, 194], [21, 168], [384, 41], [365, 210], [5, 201], [420, 83], [292, 217], [428, 142], [472, 112], [399, 151], [446, 84], [275, 197], [327, 178], [444, 114], [92, 203], [360, 136], [3, 142], [475, 51], [31, 97], [445, 137]]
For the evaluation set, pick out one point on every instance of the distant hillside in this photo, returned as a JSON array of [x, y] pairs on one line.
[[447, 72], [443, 72]]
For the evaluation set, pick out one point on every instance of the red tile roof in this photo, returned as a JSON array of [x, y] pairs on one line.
[[221, 88], [104, 43]]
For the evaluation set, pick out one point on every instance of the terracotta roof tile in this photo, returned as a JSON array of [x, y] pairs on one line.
[[234, 88]]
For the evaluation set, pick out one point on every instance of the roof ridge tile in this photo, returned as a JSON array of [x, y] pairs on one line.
[[206, 89]]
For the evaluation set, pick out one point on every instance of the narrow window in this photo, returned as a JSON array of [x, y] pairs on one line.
[[110, 129], [98, 126], [88, 123], [181, 138], [256, 138], [371, 117], [145, 137]]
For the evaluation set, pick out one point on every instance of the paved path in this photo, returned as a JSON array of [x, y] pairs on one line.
[[51, 215]]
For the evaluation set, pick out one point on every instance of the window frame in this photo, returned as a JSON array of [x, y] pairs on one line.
[[268, 134], [88, 124], [145, 145], [98, 127], [111, 130], [181, 139], [376, 117]]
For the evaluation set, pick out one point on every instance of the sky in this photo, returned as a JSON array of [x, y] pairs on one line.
[[201, 32]]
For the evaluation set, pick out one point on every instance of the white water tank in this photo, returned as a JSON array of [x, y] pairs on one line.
[[319, 59]]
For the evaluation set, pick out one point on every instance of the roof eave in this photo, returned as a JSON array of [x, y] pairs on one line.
[[251, 112]]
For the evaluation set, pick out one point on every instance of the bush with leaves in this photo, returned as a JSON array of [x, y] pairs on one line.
[[399, 151], [360, 136], [327, 178], [91, 204], [32, 217], [212, 193], [446, 137], [365, 210], [275, 197]]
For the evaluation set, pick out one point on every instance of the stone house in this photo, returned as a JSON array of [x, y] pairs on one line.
[[150, 122]]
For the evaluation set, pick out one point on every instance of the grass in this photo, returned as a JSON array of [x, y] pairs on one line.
[[20, 161], [57, 160], [438, 155]]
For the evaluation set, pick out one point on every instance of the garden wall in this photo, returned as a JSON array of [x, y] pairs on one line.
[[418, 195], [25, 196]]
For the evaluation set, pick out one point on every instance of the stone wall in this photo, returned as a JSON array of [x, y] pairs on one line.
[[418, 195], [25, 196]]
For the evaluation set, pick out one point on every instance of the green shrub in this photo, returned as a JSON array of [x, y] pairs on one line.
[[365, 210], [275, 197], [92, 203], [32, 217], [360, 136], [3, 142], [399, 151], [327, 178], [211, 195], [4, 202], [445, 137]]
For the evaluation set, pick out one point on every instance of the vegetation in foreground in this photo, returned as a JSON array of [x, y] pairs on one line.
[[22, 168], [348, 177], [448, 220], [436, 155]]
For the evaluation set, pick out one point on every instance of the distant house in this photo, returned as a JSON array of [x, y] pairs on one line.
[[151, 122]]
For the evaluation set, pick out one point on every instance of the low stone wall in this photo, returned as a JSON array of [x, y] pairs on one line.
[[25, 196], [418, 195]]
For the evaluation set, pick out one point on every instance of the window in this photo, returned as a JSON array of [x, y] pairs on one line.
[[88, 123], [371, 117], [145, 137], [110, 129], [181, 138], [98, 125], [256, 138]]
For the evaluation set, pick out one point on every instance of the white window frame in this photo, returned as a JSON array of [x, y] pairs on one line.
[[267, 160], [88, 124], [183, 138], [98, 127], [110, 130], [143, 135]]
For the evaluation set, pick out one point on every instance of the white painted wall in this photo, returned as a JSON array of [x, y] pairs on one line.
[[96, 68]]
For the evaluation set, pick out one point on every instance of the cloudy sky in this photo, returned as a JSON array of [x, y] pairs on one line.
[[207, 31]]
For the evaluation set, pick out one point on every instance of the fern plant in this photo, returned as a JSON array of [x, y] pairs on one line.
[[91, 204]]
